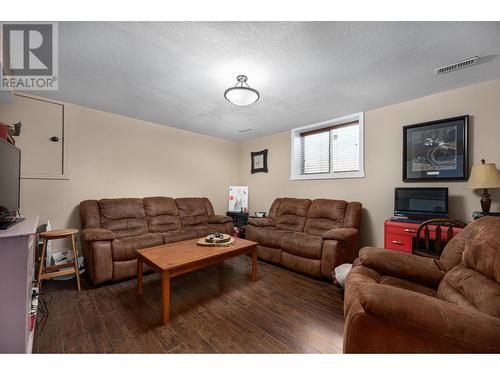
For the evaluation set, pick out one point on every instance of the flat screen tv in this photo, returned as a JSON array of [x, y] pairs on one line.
[[421, 203], [10, 174]]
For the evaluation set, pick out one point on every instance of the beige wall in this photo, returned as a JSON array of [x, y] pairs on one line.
[[383, 158], [114, 156]]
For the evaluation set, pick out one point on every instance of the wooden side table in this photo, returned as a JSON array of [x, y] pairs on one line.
[[49, 272]]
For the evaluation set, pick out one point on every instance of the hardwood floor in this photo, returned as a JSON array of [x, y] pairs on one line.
[[214, 310]]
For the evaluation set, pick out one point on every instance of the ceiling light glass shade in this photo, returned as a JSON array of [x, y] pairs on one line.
[[241, 94]]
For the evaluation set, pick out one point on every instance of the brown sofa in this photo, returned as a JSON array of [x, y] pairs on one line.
[[403, 303], [312, 237], [113, 229]]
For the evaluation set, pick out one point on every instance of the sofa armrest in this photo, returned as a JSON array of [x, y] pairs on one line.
[[219, 219], [340, 234], [97, 234], [432, 316], [421, 270], [261, 221], [339, 246]]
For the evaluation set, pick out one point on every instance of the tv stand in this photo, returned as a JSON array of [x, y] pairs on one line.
[[404, 219], [401, 235], [17, 273], [8, 223]]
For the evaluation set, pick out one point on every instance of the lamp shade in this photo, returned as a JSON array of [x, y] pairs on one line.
[[484, 176], [241, 94]]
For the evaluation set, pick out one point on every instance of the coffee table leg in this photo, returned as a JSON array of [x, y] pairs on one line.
[[139, 277], [254, 265], [165, 289]]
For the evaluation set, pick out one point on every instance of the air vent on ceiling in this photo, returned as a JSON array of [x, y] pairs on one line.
[[244, 130], [458, 65]]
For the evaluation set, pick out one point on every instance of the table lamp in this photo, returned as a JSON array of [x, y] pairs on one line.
[[484, 176]]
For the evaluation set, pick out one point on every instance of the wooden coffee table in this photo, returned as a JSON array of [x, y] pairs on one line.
[[177, 258]]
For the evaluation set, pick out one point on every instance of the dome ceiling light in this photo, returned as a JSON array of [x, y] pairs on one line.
[[241, 94]]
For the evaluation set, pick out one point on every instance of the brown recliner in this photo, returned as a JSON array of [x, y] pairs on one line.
[[312, 237], [402, 303], [113, 229]]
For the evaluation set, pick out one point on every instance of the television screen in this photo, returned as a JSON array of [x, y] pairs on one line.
[[10, 171], [421, 202]]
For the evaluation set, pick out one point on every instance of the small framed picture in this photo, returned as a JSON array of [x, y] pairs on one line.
[[436, 150], [259, 161]]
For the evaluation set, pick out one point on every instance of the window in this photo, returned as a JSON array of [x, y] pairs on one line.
[[330, 149], [315, 154]]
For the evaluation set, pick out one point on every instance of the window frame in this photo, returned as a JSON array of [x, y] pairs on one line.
[[295, 173]]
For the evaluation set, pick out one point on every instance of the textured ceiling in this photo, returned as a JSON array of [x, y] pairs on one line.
[[175, 73]]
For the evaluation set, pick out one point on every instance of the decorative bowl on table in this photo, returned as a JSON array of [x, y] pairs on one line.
[[216, 239]]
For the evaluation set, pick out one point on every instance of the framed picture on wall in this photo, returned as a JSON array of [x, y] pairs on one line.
[[436, 150], [259, 161]]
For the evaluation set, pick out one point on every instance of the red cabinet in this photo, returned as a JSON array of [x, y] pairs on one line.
[[400, 236]]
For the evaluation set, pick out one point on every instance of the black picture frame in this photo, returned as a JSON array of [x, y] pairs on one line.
[[254, 158], [436, 150]]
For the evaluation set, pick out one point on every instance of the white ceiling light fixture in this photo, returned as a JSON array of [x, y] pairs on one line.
[[241, 94]]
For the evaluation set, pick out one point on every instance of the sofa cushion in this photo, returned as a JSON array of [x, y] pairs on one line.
[[194, 211], [268, 237], [273, 211], [353, 213], [325, 214], [162, 214], [421, 270], [126, 227], [448, 293], [180, 235], [292, 214], [205, 230], [125, 248], [465, 286], [483, 255], [156, 206], [408, 285], [302, 244], [121, 208], [123, 216], [424, 315], [219, 219], [361, 275], [163, 223], [216, 228], [261, 221], [194, 220], [481, 228]]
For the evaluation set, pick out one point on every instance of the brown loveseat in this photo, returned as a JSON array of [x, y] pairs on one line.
[[312, 237], [403, 303], [113, 229]]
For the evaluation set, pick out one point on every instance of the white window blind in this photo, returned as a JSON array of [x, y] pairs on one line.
[[330, 150], [345, 148], [316, 156]]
